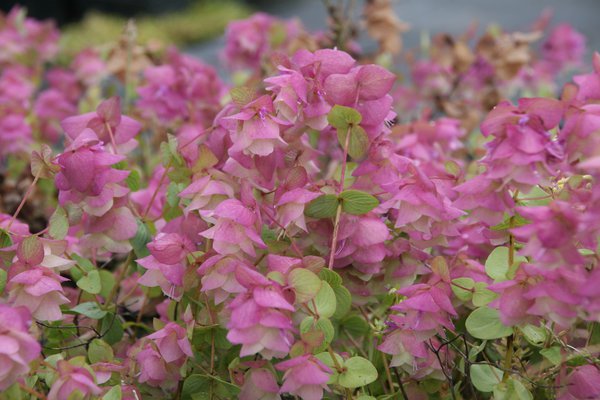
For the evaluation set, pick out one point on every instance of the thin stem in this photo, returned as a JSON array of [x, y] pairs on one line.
[[401, 384], [336, 363], [160, 183], [112, 137], [336, 228], [387, 373], [31, 391], [508, 357], [23, 200]]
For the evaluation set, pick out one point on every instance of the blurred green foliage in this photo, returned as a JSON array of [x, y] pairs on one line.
[[201, 20]]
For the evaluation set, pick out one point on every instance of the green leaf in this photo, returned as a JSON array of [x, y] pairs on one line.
[[536, 335], [193, 385], [91, 282], [111, 328], [113, 394], [358, 144], [2, 280], [141, 239], [511, 222], [325, 301], [343, 300], [496, 265], [133, 180], [553, 354], [356, 202], [484, 323], [306, 284], [107, 281], [324, 206], [5, 240], [463, 288], [333, 278], [323, 325], [90, 309], [512, 389], [485, 377], [474, 351], [340, 117], [99, 351], [58, 226], [355, 325], [482, 295], [358, 372]]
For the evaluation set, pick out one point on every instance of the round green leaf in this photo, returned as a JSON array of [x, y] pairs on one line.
[[356, 202], [324, 206], [536, 335], [91, 282], [463, 288], [496, 265], [340, 117], [358, 144], [305, 283], [325, 301], [359, 372], [333, 278], [482, 295], [323, 325], [484, 323], [485, 377], [343, 300], [99, 351]]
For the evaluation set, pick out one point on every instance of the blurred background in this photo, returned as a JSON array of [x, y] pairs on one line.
[[196, 25]]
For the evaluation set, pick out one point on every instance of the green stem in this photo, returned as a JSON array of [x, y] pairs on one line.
[[336, 228]]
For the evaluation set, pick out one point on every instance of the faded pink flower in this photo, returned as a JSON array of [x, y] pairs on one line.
[[17, 347], [305, 376], [72, 379]]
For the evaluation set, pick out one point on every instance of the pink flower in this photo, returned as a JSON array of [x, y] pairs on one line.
[[185, 88], [563, 47], [17, 347], [259, 383], [39, 290], [71, 380], [205, 194], [108, 124], [170, 248], [362, 242], [582, 383], [235, 229], [260, 318], [259, 129], [305, 376], [86, 176], [290, 207], [154, 370], [111, 232], [219, 277], [172, 343]]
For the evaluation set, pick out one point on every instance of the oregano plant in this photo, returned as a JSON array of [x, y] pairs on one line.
[[314, 227]]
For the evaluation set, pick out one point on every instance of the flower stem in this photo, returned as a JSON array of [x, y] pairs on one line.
[[336, 228], [23, 201], [508, 358]]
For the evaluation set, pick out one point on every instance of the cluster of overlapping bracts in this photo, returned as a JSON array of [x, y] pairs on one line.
[[315, 229]]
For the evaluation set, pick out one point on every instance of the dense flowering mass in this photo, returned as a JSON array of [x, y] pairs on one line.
[[318, 229]]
